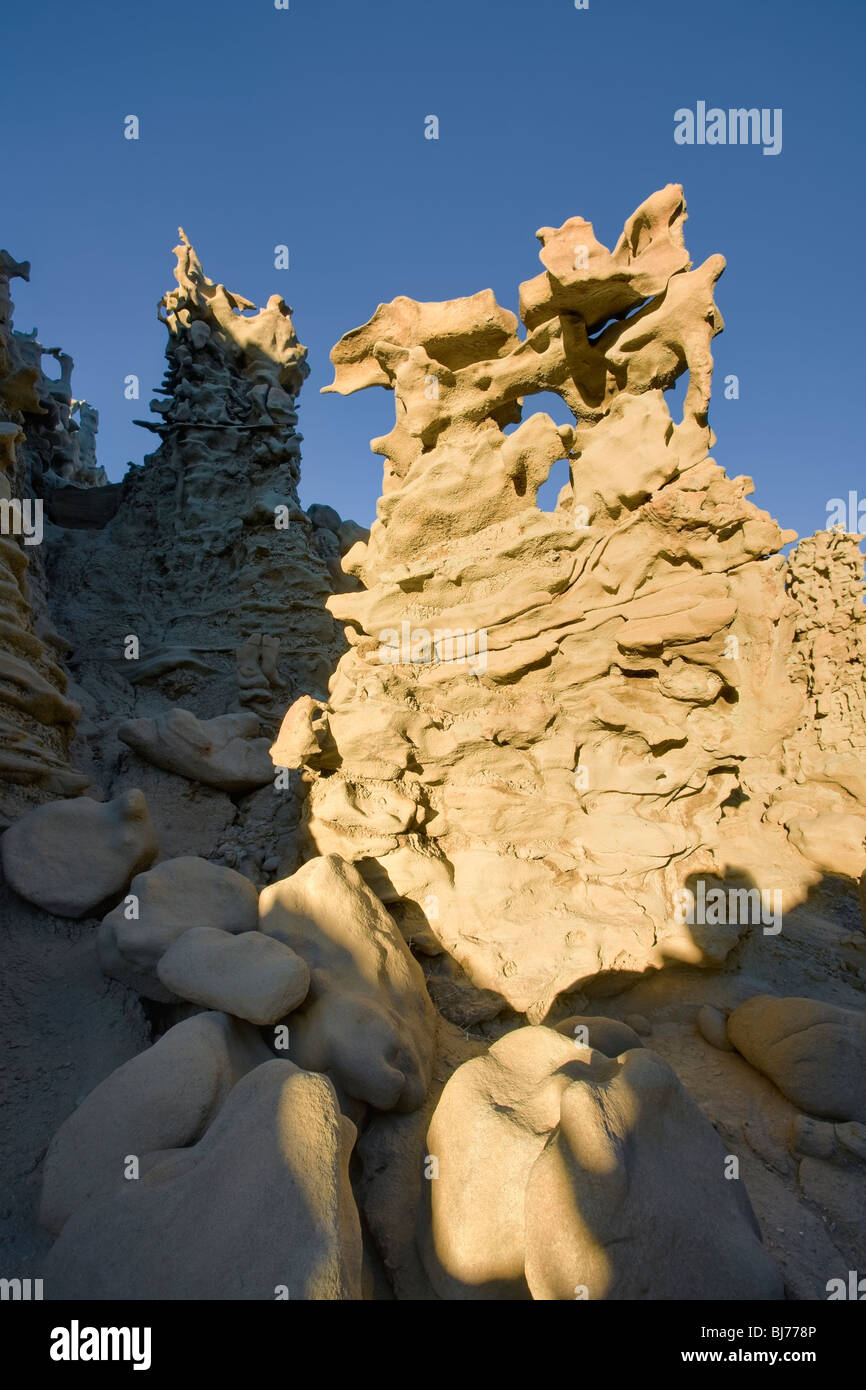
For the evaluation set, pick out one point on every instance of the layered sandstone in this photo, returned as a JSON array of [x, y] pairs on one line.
[[544, 718]]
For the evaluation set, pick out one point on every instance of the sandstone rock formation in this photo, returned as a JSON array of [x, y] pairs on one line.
[[367, 1022], [37, 719], [814, 1052], [197, 607], [251, 976], [547, 718], [563, 1174], [74, 857], [165, 1098], [286, 1197], [545, 891], [822, 802], [166, 902], [224, 752]]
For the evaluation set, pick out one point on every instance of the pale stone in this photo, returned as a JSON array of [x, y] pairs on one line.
[[225, 752], [166, 902], [163, 1099], [259, 1208], [568, 711], [76, 857], [814, 1052], [563, 1175], [713, 1027], [367, 1021], [251, 976]]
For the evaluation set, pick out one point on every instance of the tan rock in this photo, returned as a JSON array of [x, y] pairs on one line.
[[227, 1218], [814, 1052], [367, 1021], [557, 708], [163, 904], [251, 976], [163, 1099], [565, 1174], [75, 857], [225, 752], [632, 1197]]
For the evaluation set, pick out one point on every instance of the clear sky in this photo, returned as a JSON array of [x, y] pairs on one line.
[[305, 126]]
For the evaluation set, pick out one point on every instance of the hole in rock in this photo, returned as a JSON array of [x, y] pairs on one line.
[[544, 403], [557, 478], [675, 397]]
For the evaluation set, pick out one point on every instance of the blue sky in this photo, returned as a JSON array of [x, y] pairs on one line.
[[306, 127]]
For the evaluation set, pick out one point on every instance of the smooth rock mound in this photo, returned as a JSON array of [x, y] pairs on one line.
[[163, 1099], [225, 752], [169, 900], [259, 1208], [72, 858], [368, 1020], [565, 1174], [814, 1052], [252, 976], [607, 1035]]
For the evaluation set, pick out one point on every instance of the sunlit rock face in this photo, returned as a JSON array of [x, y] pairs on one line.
[[37, 717], [548, 723]]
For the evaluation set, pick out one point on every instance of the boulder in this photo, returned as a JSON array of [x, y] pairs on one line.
[[168, 901], [491, 1124], [814, 1052], [605, 1035], [225, 752], [324, 517], [632, 1197], [75, 858], [259, 1208], [368, 1020], [712, 1026], [252, 976], [165, 1098], [566, 1174]]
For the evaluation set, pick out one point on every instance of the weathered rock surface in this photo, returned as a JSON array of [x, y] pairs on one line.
[[37, 434], [550, 721], [559, 717], [814, 1052], [225, 752], [259, 1208], [564, 1176], [251, 976], [74, 857], [368, 1021], [168, 901], [163, 1099]]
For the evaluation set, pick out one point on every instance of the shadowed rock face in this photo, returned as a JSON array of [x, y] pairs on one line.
[[209, 560], [544, 718]]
